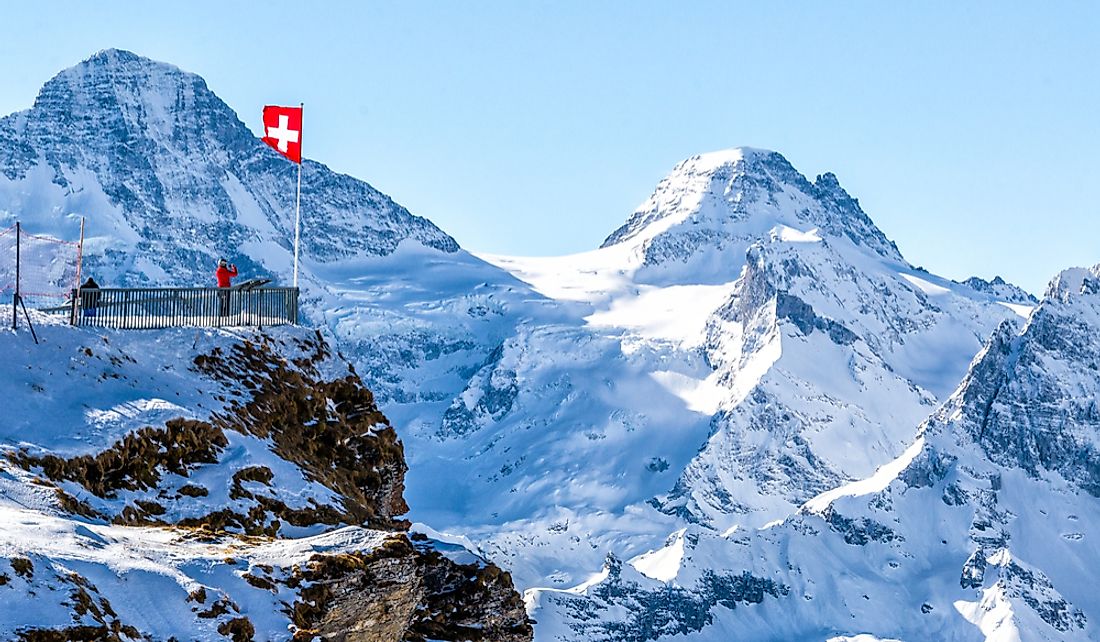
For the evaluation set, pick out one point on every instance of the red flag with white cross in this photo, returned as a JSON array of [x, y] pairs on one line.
[[283, 130]]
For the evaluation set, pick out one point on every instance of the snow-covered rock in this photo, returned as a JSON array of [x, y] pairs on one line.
[[711, 207], [1002, 289]]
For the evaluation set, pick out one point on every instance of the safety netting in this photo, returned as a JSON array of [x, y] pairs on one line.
[[47, 268]]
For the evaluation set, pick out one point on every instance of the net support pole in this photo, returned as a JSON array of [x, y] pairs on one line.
[[15, 299], [80, 252], [298, 198]]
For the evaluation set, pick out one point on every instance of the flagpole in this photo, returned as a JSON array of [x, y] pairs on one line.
[[298, 198]]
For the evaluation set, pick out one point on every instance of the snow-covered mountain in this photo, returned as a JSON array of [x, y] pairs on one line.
[[713, 206], [774, 355], [982, 529], [747, 341], [170, 179]]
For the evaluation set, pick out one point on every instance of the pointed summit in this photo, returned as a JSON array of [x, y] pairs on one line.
[[116, 98], [722, 201]]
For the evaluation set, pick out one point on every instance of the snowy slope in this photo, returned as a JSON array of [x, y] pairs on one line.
[[208, 485], [982, 530]]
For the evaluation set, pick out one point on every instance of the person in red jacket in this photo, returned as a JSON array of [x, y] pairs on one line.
[[225, 272]]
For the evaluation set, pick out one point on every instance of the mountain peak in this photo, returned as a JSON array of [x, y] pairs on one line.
[[116, 94], [1073, 282], [119, 68], [113, 55], [734, 156], [725, 200], [749, 161]]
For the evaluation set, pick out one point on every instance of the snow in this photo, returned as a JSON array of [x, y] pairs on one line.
[[663, 564], [791, 235], [873, 484], [1024, 311], [147, 573], [925, 286], [672, 313]]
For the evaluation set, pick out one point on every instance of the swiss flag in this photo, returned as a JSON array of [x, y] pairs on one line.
[[283, 130]]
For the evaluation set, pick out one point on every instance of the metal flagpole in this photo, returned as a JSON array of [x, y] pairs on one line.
[[298, 199]]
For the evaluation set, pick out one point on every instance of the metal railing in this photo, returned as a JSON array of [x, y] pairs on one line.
[[148, 308]]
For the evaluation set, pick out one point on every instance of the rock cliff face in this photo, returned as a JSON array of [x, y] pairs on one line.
[[1031, 400], [262, 502]]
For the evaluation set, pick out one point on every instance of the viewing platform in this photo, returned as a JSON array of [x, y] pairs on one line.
[[246, 304]]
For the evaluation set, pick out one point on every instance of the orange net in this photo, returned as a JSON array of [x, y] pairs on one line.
[[47, 268]]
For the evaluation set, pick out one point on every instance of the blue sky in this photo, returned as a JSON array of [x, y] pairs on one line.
[[969, 131]]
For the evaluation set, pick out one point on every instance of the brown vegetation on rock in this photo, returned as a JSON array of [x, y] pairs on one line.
[[331, 429], [137, 461], [22, 566]]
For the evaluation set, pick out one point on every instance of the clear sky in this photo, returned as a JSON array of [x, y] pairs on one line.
[[969, 131]]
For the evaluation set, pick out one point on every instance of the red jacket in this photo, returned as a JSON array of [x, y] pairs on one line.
[[224, 274]]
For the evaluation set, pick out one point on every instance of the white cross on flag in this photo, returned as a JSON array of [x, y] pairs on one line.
[[283, 130]]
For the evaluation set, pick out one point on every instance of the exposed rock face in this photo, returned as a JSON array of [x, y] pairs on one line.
[[1001, 289], [652, 613], [405, 591], [330, 429], [1030, 400]]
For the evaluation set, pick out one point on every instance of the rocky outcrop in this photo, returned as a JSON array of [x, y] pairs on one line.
[[1001, 289], [406, 590], [652, 611], [329, 428], [1029, 400]]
